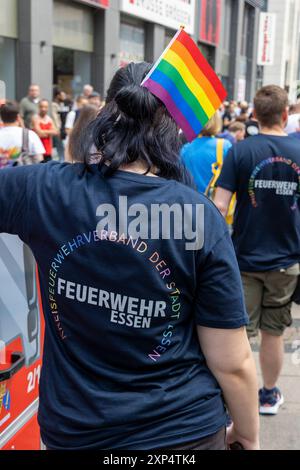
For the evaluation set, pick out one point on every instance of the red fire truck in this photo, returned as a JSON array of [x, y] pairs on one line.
[[21, 345]]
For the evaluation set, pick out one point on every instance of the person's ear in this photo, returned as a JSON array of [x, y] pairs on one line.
[[254, 114], [285, 116]]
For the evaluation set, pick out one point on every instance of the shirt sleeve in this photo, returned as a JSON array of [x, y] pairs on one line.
[[228, 176], [14, 196], [70, 120], [219, 299], [35, 144]]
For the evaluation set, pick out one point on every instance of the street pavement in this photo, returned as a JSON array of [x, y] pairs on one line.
[[282, 432]]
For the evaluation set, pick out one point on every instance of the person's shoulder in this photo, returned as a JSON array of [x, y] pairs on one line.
[[186, 194], [11, 131], [189, 145], [292, 141], [195, 201], [32, 135], [295, 135], [55, 167], [189, 148], [44, 176], [246, 144], [45, 169], [227, 144], [23, 172], [53, 175], [24, 100]]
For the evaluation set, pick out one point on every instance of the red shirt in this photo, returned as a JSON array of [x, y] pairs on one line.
[[47, 141]]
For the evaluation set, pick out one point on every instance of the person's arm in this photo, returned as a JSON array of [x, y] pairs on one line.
[[222, 200], [22, 108], [15, 193], [229, 357], [227, 182], [68, 157], [36, 128], [221, 317], [38, 158], [70, 122], [53, 131], [36, 148]]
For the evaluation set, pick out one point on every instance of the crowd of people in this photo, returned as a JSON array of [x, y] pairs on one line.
[[54, 121], [48, 125], [105, 383]]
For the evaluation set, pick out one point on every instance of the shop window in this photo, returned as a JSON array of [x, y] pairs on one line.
[[132, 44], [73, 27], [71, 69], [8, 18], [8, 66]]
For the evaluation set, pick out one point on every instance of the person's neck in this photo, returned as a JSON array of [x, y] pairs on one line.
[[11, 124], [138, 167], [275, 130]]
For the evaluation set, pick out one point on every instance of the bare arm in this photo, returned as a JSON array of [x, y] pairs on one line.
[[53, 131], [38, 158], [22, 110], [229, 357], [68, 157], [36, 128], [68, 130], [222, 200]]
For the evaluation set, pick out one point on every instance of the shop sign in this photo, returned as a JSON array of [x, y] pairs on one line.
[[169, 13], [266, 42], [96, 3], [210, 22]]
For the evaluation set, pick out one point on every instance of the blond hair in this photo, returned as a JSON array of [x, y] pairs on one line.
[[213, 127]]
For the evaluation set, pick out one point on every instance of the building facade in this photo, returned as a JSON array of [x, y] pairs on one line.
[[72, 42], [284, 68]]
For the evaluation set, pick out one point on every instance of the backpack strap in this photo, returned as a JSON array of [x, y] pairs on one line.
[[220, 145], [25, 141], [217, 166]]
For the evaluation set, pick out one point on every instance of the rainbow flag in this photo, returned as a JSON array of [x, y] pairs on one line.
[[185, 82]]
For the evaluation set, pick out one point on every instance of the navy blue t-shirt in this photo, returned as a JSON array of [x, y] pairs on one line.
[[264, 171], [122, 365]]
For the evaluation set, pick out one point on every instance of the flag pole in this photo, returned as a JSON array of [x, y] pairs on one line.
[[164, 52]]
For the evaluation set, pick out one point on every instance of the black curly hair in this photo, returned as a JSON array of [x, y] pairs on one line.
[[134, 125]]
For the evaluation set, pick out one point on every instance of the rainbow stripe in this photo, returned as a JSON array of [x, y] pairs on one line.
[[184, 81]]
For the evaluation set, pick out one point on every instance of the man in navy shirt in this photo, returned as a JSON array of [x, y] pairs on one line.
[[264, 171]]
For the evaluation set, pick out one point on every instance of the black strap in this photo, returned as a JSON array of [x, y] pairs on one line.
[[25, 141]]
